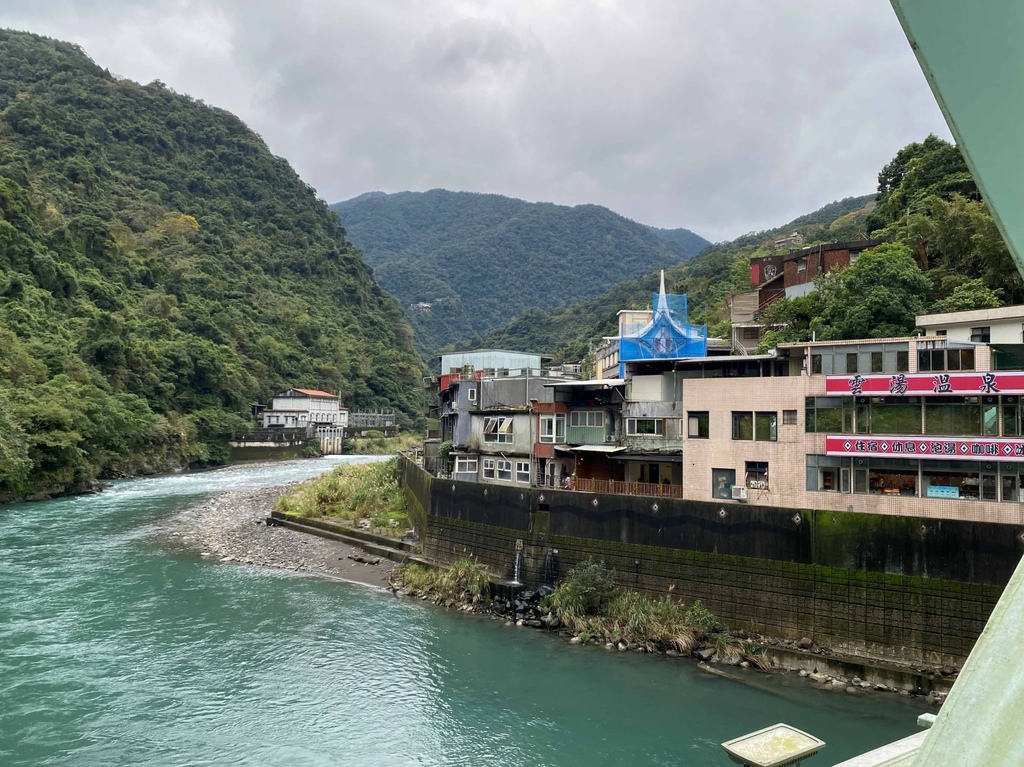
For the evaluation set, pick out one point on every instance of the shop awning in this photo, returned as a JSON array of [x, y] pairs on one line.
[[598, 449]]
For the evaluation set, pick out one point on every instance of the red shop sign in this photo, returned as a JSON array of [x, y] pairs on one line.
[[939, 448], [900, 384]]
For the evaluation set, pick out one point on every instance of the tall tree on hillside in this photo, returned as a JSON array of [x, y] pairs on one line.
[[879, 296]]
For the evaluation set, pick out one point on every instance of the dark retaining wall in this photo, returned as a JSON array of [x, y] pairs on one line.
[[895, 588]]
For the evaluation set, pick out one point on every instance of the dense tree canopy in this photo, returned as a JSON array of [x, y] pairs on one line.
[[481, 260], [160, 270]]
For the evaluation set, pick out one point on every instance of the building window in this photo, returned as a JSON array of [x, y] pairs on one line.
[[698, 425], [471, 394], [851, 362], [766, 427], [828, 474], [498, 429], [552, 428], [504, 469], [762, 427], [980, 335], [938, 360], [722, 482], [756, 477], [902, 361], [645, 427], [853, 256], [816, 364], [522, 471], [743, 426], [488, 468], [586, 418], [876, 362], [465, 464], [789, 418], [801, 265]]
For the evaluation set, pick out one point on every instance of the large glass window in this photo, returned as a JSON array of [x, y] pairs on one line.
[[937, 360], [954, 416], [825, 414], [828, 473], [1011, 416], [522, 471], [895, 415], [981, 335], [504, 469], [488, 468]]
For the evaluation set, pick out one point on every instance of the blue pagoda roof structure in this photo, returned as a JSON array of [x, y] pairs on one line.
[[668, 336]]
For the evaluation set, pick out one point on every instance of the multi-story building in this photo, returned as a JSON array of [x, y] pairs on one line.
[[297, 408], [926, 425]]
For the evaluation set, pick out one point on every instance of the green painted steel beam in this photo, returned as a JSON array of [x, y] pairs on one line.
[[973, 57]]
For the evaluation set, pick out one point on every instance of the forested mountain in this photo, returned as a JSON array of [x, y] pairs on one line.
[[480, 259], [160, 270], [926, 203], [721, 269]]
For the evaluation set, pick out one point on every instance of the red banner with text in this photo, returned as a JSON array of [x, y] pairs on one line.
[[911, 384], [945, 448]]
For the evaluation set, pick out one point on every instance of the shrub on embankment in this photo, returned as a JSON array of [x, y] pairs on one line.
[[464, 582], [590, 604], [353, 492], [375, 443]]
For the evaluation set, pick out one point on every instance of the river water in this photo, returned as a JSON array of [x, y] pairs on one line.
[[117, 648]]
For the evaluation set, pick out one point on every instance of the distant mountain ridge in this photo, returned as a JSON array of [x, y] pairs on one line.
[[720, 269], [463, 263]]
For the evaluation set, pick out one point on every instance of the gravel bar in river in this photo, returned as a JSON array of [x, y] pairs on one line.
[[231, 527]]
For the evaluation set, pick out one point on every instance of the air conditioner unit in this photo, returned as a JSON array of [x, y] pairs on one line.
[[739, 493], [609, 438]]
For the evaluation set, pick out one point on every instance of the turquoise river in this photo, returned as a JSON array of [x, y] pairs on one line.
[[117, 648]]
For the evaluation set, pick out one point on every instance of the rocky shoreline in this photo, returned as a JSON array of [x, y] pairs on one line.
[[231, 527]]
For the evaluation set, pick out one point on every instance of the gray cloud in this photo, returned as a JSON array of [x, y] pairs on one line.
[[723, 116]]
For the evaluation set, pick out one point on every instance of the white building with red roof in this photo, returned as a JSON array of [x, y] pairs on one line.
[[298, 408]]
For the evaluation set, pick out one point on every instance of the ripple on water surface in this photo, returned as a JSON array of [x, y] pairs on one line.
[[116, 651]]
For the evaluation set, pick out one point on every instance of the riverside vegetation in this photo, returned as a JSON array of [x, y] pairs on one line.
[[160, 270], [367, 492], [588, 606]]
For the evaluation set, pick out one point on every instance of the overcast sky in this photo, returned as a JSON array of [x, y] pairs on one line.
[[722, 116]]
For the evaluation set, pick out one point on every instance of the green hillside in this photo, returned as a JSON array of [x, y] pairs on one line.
[[926, 203], [160, 270], [567, 332], [479, 259]]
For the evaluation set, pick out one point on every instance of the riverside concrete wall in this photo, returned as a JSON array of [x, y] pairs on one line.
[[879, 586]]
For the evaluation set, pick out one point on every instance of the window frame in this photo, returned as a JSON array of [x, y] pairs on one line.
[[466, 460], [495, 432], [790, 417], [658, 424], [587, 416], [981, 334], [556, 436], [520, 472], [471, 394], [503, 469], [698, 418], [488, 469]]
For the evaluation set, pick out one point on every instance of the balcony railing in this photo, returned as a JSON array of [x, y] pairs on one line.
[[616, 487]]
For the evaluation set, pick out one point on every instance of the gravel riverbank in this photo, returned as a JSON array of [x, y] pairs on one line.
[[230, 527]]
